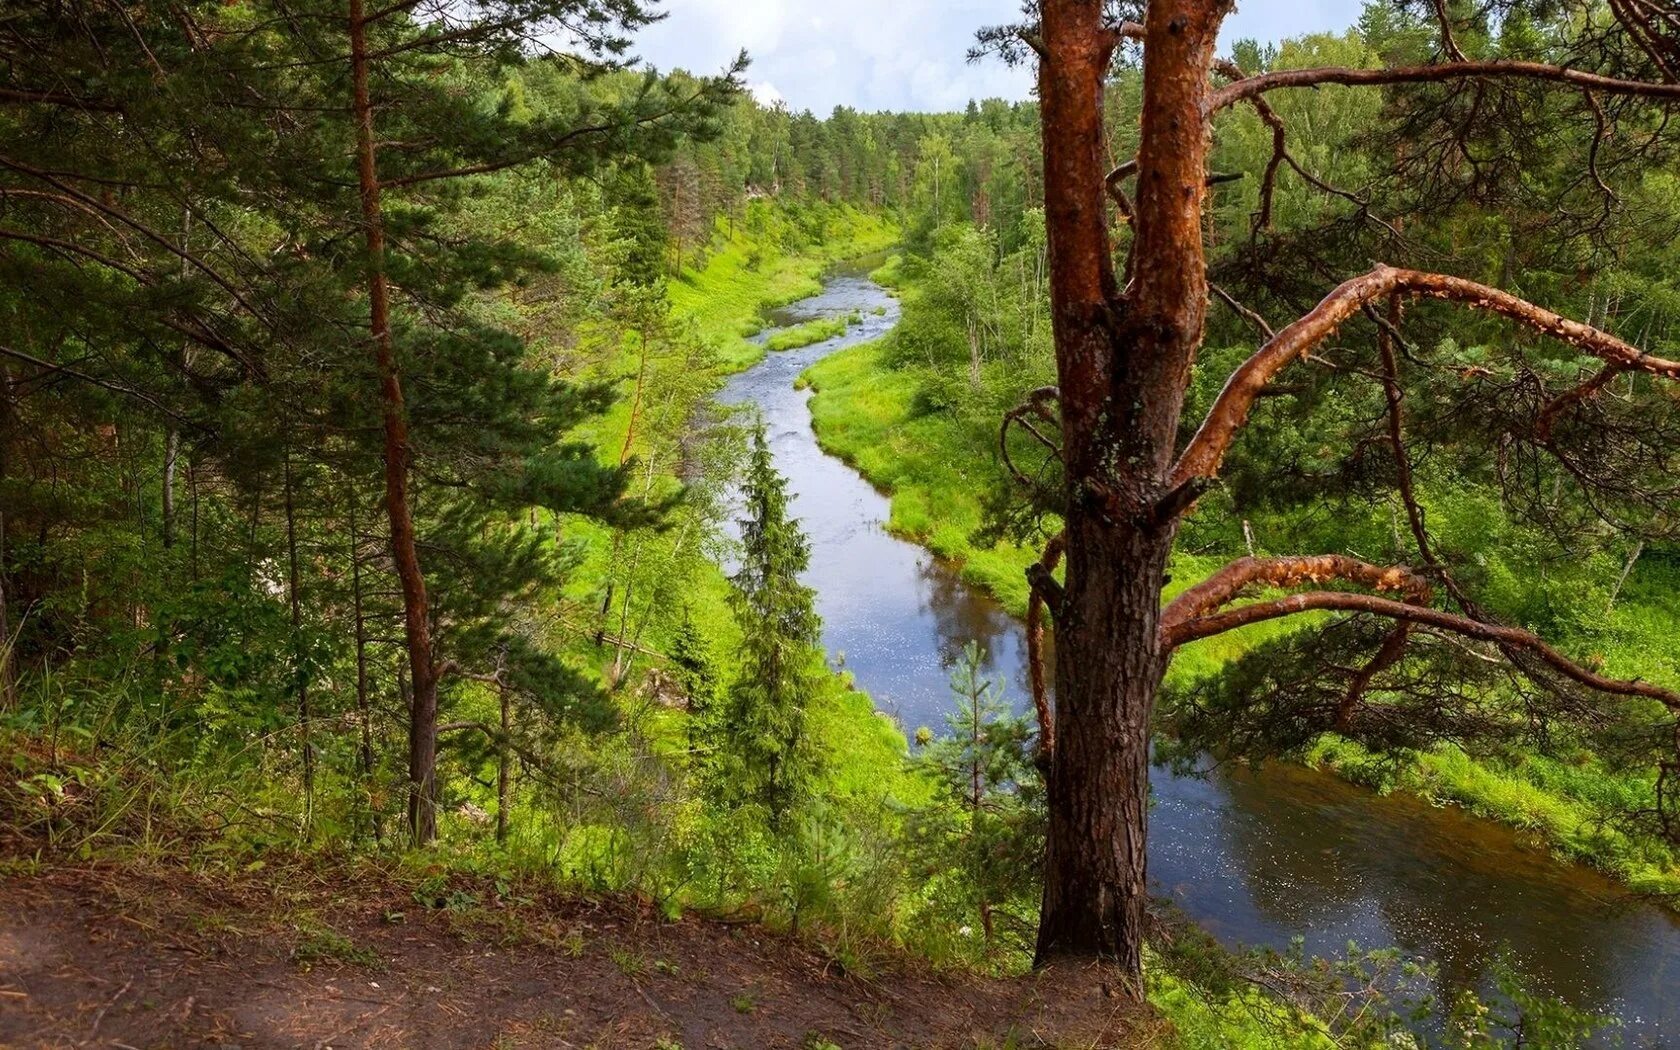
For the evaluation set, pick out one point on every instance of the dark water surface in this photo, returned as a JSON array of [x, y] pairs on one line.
[[1256, 858]]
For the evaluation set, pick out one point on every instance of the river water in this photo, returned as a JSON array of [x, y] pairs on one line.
[[1254, 857]]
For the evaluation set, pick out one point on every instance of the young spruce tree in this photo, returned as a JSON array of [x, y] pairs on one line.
[[763, 756]]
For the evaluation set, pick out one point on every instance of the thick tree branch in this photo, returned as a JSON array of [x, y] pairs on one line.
[[1114, 183], [1601, 132], [1341, 601], [1178, 500], [1259, 84], [1635, 17], [1225, 585], [1553, 409], [1393, 648], [1388, 654], [1206, 451], [1388, 337], [1037, 403], [1448, 44], [1281, 156], [1070, 85]]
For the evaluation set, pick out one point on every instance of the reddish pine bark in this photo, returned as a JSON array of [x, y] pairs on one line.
[[422, 712], [1123, 358]]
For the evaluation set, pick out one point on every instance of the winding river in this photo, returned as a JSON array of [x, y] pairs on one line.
[[1256, 858]]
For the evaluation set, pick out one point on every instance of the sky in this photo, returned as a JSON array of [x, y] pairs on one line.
[[894, 54]]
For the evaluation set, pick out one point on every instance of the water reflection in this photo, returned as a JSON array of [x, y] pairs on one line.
[[1287, 851], [963, 614], [1254, 857]]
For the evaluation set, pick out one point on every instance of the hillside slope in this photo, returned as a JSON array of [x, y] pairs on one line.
[[354, 955]]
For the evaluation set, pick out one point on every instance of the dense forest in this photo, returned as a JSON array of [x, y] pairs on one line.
[[369, 514]]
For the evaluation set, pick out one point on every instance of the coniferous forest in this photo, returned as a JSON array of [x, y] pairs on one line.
[[503, 545]]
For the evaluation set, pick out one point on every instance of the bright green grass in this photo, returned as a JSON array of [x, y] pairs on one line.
[[727, 298], [1538, 795], [724, 300], [863, 750], [889, 274], [1248, 1022], [823, 328]]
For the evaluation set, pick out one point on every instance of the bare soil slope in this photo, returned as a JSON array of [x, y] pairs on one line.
[[138, 955]]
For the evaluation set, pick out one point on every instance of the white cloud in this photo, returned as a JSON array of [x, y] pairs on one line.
[[766, 94], [894, 54]]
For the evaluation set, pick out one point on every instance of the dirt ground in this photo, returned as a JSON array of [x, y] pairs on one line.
[[143, 956]]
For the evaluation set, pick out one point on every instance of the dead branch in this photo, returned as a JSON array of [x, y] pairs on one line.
[[1037, 403], [1247, 313], [1035, 648]]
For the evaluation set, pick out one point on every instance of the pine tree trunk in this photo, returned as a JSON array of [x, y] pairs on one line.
[[171, 451], [422, 714], [973, 354], [299, 670], [8, 668], [8, 676], [504, 749], [1123, 362], [192, 495], [363, 709], [172, 437], [1108, 667], [636, 395]]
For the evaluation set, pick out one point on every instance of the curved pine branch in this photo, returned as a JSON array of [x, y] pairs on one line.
[[1511, 638], [1205, 453], [1440, 72]]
